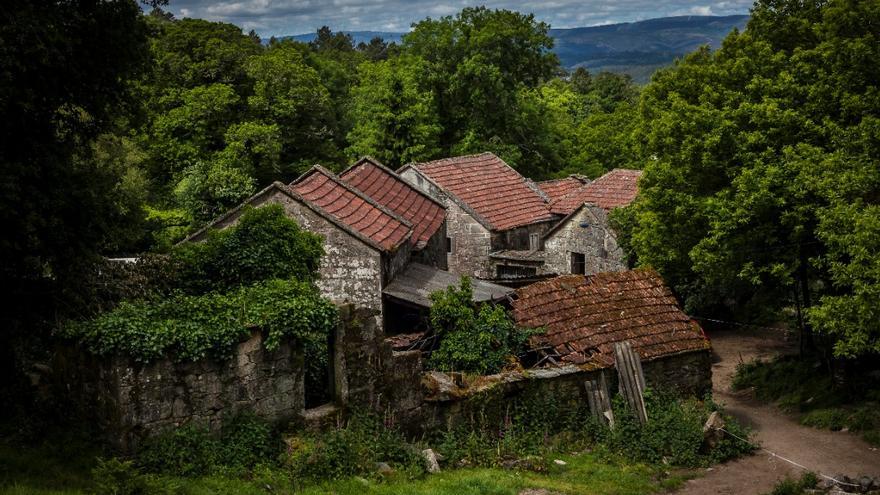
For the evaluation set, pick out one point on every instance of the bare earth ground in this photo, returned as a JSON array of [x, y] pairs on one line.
[[822, 451]]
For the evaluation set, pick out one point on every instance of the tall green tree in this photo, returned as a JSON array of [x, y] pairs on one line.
[[476, 63], [395, 120], [65, 67], [751, 153]]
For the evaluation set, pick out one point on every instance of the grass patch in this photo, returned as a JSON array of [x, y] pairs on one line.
[[587, 473], [805, 388], [506, 451], [791, 486]]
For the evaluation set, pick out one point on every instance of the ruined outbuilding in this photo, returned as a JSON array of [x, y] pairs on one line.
[[584, 316]]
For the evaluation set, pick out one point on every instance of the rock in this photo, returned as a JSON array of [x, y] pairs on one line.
[[431, 461], [383, 468], [712, 433], [559, 462]]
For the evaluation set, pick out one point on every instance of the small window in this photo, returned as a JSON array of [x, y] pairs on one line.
[[578, 264], [449, 244], [534, 242]]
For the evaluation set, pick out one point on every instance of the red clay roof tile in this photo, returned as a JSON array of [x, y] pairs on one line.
[[491, 188], [616, 188], [586, 315], [557, 188], [388, 189], [351, 208]]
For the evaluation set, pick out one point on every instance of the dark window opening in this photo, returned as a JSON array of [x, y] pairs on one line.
[[449, 244], [319, 372], [515, 271], [578, 264]]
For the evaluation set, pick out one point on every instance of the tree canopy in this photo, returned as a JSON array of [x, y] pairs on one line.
[[761, 172]]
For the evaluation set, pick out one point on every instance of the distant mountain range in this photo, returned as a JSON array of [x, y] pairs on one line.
[[635, 48]]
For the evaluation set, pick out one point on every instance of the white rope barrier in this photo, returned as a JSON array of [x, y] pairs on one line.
[[774, 454]]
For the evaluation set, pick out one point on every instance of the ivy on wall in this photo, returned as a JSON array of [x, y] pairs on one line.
[[189, 328], [205, 298]]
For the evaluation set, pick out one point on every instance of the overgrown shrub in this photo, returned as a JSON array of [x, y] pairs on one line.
[[790, 486], [477, 340], [353, 449], [674, 432], [805, 386], [247, 441], [264, 244], [188, 450], [502, 431], [118, 477], [243, 442], [189, 328]]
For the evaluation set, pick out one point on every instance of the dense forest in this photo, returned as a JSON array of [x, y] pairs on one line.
[[124, 130]]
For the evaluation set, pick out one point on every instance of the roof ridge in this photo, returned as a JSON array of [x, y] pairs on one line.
[[330, 175], [392, 173], [452, 158]]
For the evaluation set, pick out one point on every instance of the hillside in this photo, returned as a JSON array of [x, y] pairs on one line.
[[634, 48], [639, 48]]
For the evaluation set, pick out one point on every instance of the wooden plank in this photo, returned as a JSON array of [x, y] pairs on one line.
[[598, 400], [631, 379]]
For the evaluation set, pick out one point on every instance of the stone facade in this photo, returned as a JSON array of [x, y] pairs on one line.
[[351, 270], [586, 232], [471, 243], [471, 240], [131, 401], [521, 238]]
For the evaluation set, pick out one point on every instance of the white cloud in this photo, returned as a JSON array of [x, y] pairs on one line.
[[284, 17]]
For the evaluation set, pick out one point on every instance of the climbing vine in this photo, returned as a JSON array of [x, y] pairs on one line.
[[189, 328]]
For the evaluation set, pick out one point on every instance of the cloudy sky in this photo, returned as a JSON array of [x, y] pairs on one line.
[[283, 17]]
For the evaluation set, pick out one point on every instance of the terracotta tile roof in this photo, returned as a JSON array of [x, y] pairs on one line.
[[491, 188], [616, 188], [389, 190], [352, 208], [585, 315], [557, 188]]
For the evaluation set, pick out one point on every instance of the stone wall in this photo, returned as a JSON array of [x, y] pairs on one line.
[[471, 240], [350, 271], [131, 401], [596, 241], [440, 400]]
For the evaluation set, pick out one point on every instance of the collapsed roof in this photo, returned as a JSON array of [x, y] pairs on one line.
[[584, 316]]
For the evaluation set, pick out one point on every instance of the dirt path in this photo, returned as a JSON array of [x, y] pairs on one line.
[[824, 451]]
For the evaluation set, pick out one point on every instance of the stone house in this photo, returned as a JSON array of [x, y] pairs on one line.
[[505, 228], [365, 243], [377, 229], [490, 208], [582, 242]]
